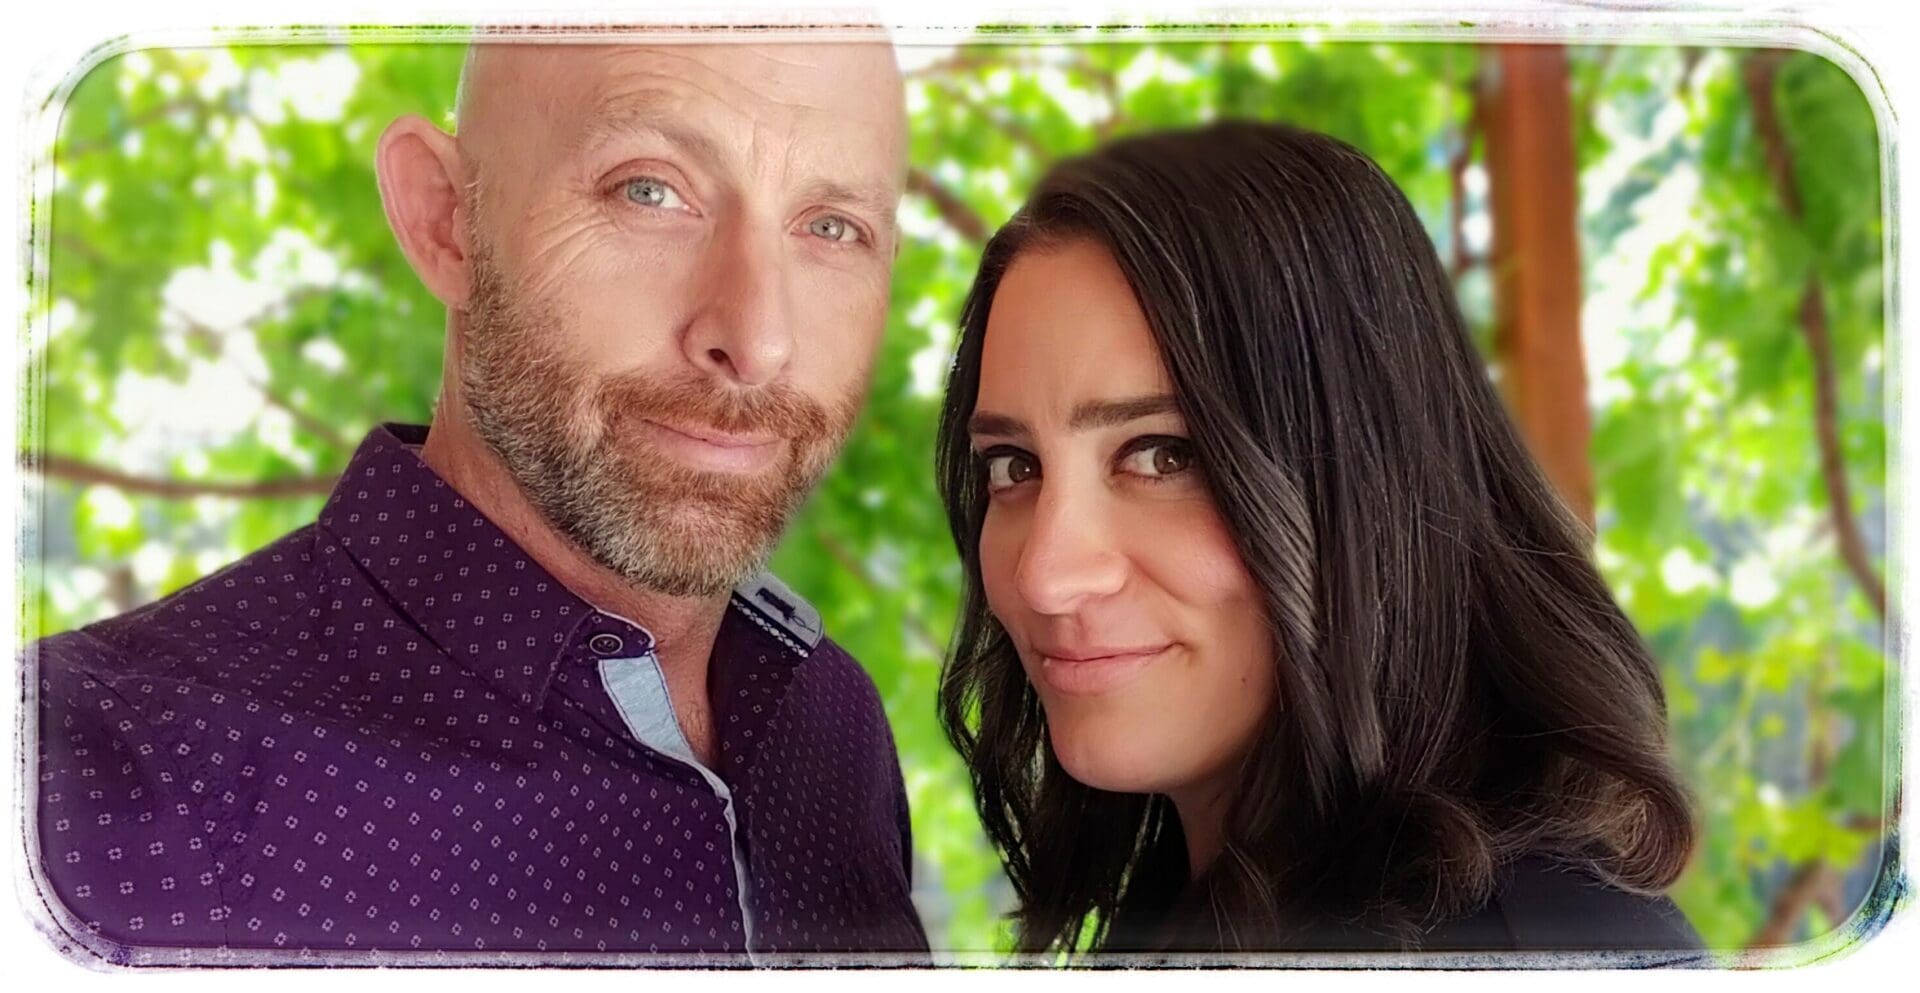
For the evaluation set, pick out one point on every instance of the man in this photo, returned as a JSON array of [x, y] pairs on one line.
[[522, 686]]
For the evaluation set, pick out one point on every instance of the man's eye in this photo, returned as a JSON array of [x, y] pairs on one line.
[[1160, 458], [1005, 470], [833, 227], [650, 192]]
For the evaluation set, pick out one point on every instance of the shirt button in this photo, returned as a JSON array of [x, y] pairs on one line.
[[605, 644]]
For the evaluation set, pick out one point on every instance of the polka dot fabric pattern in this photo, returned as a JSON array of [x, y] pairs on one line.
[[822, 849], [383, 738]]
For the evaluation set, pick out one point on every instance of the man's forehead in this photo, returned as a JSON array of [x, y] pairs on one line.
[[569, 82]]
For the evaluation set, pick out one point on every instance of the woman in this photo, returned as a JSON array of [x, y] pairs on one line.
[[1273, 635]]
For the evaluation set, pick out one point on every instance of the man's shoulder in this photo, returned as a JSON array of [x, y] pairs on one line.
[[788, 618], [236, 604], [776, 609], [832, 663]]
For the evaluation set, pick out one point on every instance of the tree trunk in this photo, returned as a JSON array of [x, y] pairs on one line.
[[1533, 181]]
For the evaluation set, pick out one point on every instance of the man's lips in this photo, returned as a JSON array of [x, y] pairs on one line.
[[717, 437], [712, 448]]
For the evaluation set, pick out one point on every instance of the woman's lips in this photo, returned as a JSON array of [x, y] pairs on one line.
[[1086, 672], [711, 448]]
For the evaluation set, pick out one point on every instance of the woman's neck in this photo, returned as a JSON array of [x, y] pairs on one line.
[[1202, 810]]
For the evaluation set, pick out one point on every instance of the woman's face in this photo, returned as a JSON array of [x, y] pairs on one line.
[[1102, 553]]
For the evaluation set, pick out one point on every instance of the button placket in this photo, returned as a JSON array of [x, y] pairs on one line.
[[639, 692]]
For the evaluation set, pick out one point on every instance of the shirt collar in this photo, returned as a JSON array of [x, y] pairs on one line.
[[478, 596], [468, 587]]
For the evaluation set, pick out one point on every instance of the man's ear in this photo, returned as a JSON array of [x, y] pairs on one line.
[[421, 173]]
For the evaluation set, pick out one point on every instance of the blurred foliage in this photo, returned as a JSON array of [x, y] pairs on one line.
[[228, 305]]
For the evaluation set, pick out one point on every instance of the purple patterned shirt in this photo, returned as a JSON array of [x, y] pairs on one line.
[[392, 736]]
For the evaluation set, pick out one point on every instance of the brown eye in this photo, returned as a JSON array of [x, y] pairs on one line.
[[1008, 469], [1158, 458]]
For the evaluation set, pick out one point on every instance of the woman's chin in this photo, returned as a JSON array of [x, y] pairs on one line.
[[1113, 760]]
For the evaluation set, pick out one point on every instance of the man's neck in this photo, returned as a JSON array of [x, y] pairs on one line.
[[683, 628]]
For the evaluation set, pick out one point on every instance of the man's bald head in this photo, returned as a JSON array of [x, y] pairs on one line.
[[667, 270], [524, 97], [482, 56]]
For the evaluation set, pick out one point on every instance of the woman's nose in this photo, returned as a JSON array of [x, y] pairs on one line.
[[1072, 554]]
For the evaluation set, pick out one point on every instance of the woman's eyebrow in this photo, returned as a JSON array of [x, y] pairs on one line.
[[1092, 414], [1108, 413], [997, 425]]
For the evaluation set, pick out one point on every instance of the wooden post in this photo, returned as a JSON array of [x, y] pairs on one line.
[[1533, 181]]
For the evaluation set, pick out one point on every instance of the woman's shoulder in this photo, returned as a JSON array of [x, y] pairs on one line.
[[1539, 904], [1543, 904]]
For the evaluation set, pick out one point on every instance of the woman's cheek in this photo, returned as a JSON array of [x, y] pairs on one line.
[[1222, 614], [999, 565], [1198, 563]]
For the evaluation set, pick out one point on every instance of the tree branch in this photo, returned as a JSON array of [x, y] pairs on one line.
[[848, 561], [964, 57], [1761, 70], [123, 592], [1013, 129], [311, 424], [214, 340], [1689, 64], [84, 473], [1457, 175], [951, 208], [74, 243], [1110, 88], [1831, 899], [1806, 883], [1813, 883], [151, 115], [1853, 545], [1583, 101]]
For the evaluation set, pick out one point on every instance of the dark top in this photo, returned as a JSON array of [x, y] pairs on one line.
[[393, 731], [1544, 906], [1539, 905]]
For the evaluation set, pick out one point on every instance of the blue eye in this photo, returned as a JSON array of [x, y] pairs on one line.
[[650, 192], [833, 227]]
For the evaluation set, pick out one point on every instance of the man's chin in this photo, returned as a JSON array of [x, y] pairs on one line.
[[680, 533], [669, 482], [700, 548]]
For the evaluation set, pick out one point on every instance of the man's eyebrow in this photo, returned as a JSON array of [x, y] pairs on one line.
[[876, 199], [1094, 414], [644, 114]]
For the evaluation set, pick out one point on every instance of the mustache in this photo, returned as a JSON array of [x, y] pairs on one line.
[[776, 409]]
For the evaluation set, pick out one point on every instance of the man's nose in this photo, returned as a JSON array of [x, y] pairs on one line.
[[1072, 555], [742, 330]]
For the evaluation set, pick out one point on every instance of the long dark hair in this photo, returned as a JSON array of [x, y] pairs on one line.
[[1456, 686]]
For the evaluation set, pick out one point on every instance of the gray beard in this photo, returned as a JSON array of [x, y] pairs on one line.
[[567, 439]]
